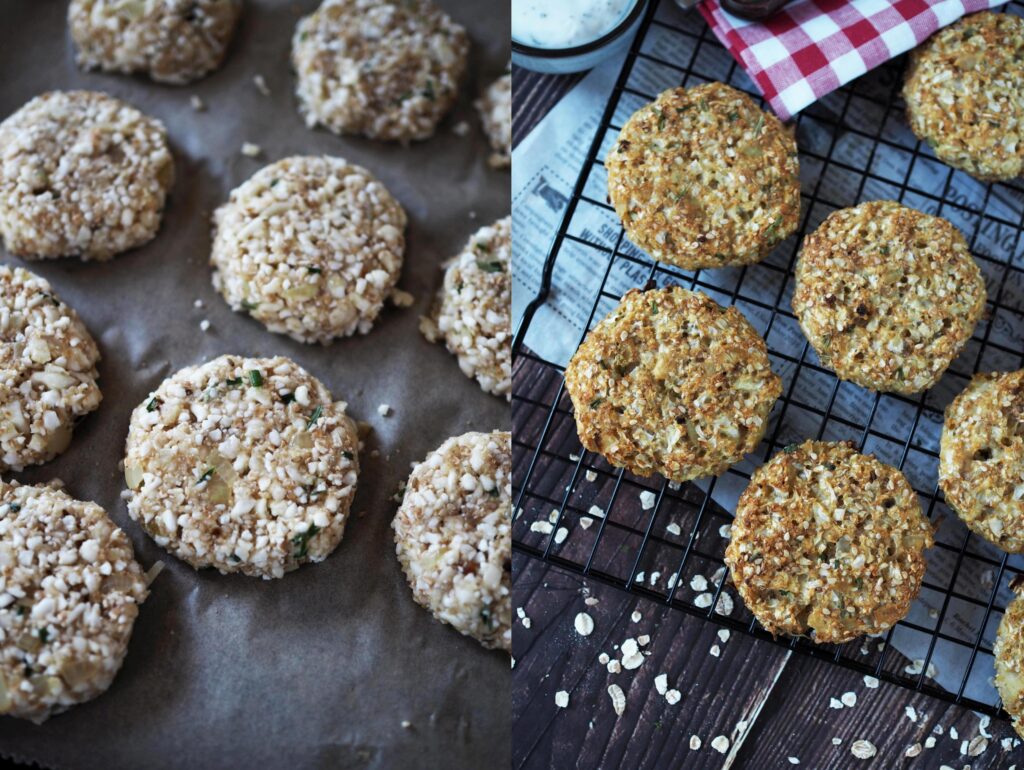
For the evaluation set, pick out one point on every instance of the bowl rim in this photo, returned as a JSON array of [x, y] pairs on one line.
[[585, 48]]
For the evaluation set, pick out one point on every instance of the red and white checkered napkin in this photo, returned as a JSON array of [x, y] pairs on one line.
[[812, 47]]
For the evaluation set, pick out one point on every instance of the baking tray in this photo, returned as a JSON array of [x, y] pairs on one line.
[[320, 668]]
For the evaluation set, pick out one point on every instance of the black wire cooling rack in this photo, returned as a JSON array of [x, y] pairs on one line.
[[665, 541]]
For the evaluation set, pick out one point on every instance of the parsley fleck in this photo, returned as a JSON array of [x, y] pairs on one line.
[[654, 307], [494, 492], [490, 267], [314, 270], [14, 507], [596, 403], [21, 610], [733, 117], [759, 125], [301, 541], [233, 383], [235, 557], [274, 182], [789, 448], [249, 305], [206, 476], [485, 616], [428, 92], [287, 398], [348, 455], [702, 103], [255, 378], [314, 417], [482, 247], [154, 404], [44, 635]]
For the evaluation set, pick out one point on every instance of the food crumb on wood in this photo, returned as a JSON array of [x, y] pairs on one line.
[[590, 601], [261, 84], [614, 667], [585, 522], [204, 325], [703, 601], [723, 634], [543, 527], [647, 499], [952, 731], [661, 683], [636, 616], [673, 529], [929, 742], [849, 699], [562, 699], [724, 606], [793, 760], [197, 104], [584, 624], [596, 512], [618, 698], [699, 583], [401, 298], [720, 744], [643, 640], [251, 150], [977, 746], [590, 475], [835, 703], [913, 751], [406, 724], [715, 651], [673, 697], [863, 749], [912, 714], [836, 741], [560, 535], [461, 128], [603, 658], [694, 742], [197, 304], [384, 410], [725, 531], [870, 681]]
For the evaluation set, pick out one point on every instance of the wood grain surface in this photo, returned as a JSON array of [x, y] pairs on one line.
[[771, 705]]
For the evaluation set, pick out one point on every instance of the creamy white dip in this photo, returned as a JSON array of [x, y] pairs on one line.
[[565, 23]]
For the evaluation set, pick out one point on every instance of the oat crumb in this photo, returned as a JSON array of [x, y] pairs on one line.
[[251, 150], [561, 699]]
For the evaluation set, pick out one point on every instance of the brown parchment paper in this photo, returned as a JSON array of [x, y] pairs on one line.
[[320, 668]]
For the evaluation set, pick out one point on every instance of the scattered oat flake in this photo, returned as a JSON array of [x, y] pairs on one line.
[[661, 683], [561, 699], [835, 703], [715, 651], [520, 612], [590, 476], [653, 579], [586, 521], [618, 698], [699, 583], [977, 746], [643, 640], [639, 577], [723, 634], [261, 84], [911, 713], [636, 616], [963, 748], [461, 128], [406, 724], [197, 104], [603, 658], [673, 529], [647, 499], [793, 760], [561, 534], [574, 458], [913, 751], [401, 298], [526, 622], [544, 527], [929, 742], [870, 682], [703, 600], [204, 325], [596, 511], [983, 723], [836, 741], [724, 606], [614, 667], [590, 601], [384, 410], [863, 749], [251, 150], [725, 531], [671, 582], [694, 743], [673, 697], [584, 624], [849, 699], [953, 733], [720, 744]]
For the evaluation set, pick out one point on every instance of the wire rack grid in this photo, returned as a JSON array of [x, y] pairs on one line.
[[665, 541]]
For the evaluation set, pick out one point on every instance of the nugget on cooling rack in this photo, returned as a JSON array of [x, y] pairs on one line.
[[981, 458], [453, 535], [387, 70], [243, 464], [887, 295], [172, 41], [828, 542], [70, 589], [472, 310], [495, 108], [47, 370], [671, 382], [702, 177], [1009, 655], [81, 174], [310, 247], [963, 89]]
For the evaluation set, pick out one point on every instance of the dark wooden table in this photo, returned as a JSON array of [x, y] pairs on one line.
[[773, 706]]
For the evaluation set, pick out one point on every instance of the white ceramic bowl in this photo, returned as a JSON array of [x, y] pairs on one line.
[[560, 61]]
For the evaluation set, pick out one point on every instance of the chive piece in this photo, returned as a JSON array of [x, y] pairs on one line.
[[759, 124], [255, 378], [494, 492], [654, 307], [249, 305], [428, 92], [314, 270], [301, 541], [154, 404], [348, 455], [314, 417], [274, 182], [596, 403], [789, 448], [482, 247], [21, 610], [702, 102], [44, 635], [287, 398], [485, 616], [733, 117], [233, 383], [14, 507], [490, 267], [235, 558], [206, 476]]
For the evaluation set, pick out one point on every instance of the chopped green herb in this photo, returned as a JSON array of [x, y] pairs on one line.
[[287, 398], [249, 305], [348, 455], [770, 233], [314, 270], [494, 492], [482, 247], [596, 403], [654, 307], [789, 448], [314, 417], [661, 119], [44, 635], [733, 117], [21, 610], [274, 182], [702, 103], [884, 248], [428, 92], [255, 378], [301, 541], [154, 404], [235, 558], [490, 267], [485, 616], [206, 476], [759, 124], [234, 383], [14, 507]]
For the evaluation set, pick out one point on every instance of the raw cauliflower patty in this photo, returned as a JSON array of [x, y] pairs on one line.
[[82, 174], [472, 313], [671, 382], [1009, 655], [981, 458], [963, 88], [47, 370], [453, 535], [310, 247], [887, 295], [172, 41], [828, 542], [495, 108], [387, 70], [243, 464], [70, 590], [703, 178]]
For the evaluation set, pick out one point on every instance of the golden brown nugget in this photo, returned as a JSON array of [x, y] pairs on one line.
[[671, 382], [963, 88], [702, 177], [981, 458], [828, 542], [1009, 655], [887, 295]]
